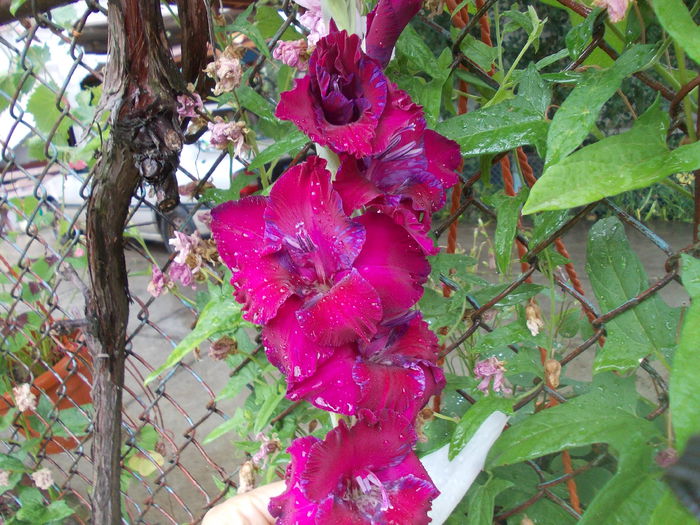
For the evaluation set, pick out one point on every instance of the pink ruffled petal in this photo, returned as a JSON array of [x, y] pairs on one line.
[[261, 282], [444, 158], [331, 387], [351, 309], [287, 346], [393, 263], [305, 215], [292, 507], [297, 105], [411, 499], [373, 443], [398, 388], [355, 189], [402, 124], [405, 217]]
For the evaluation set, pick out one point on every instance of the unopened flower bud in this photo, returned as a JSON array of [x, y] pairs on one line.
[[552, 372], [533, 317], [246, 477]]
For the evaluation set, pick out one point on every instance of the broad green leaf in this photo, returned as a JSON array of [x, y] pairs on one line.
[[420, 56], [268, 21], [250, 29], [253, 101], [533, 88], [498, 128], [236, 383], [501, 337], [266, 410], [675, 18], [669, 510], [478, 52], [617, 275], [507, 213], [581, 421], [39, 513], [473, 418], [632, 492], [580, 35], [12, 464], [42, 106], [222, 313], [290, 143], [630, 160], [480, 501], [574, 119], [145, 463], [684, 378], [690, 274]]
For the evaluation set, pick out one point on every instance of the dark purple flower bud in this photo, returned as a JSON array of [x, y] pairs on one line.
[[384, 25]]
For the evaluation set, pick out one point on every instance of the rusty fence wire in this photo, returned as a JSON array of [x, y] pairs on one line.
[[48, 100]]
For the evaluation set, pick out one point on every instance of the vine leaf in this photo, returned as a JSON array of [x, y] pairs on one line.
[[572, 123], [617, 275], [686, 361], [675, 18], [634, 159]]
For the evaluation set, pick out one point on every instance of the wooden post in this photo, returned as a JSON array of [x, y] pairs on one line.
[[140, 87]]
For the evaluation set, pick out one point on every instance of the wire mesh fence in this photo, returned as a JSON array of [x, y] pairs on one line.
[[171, 474]]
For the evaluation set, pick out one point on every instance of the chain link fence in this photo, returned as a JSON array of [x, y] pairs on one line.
[[49, 138]]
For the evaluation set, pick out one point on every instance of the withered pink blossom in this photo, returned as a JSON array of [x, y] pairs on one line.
[[24, 397], [42, 478], [226, 71], [488, 369], [181, 272], [184, 245], [224, 134], [188, 105], [159, 282], [312, 19], [360, 475], [4, 478], [292, 53]]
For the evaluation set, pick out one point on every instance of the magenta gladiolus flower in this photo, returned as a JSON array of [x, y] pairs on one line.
[[397, 370], [411, 176], [385, 24], [364, 474], [339, 275], [341, 103]]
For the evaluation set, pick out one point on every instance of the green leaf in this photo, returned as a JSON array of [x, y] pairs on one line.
[[478, 52], [617, 275], [12, 464], [473, 418], [480, 501], [419, 55], [266, 410], [578, 422], [580, 35], [145, 463], [16, 4], [676, 20], [291, 142], [222, 313], [236, 383], [630, 160], [632, 492], [683, 388], [268, 21], [224, 428], [507, 213], [250, 29], [42, 106], [521, 294], [669, 510], [498, 128], [533, 88], [573, 121], [38, 513], [690, 273]]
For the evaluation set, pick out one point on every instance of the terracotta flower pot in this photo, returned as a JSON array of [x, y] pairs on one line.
[[76, 375]]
